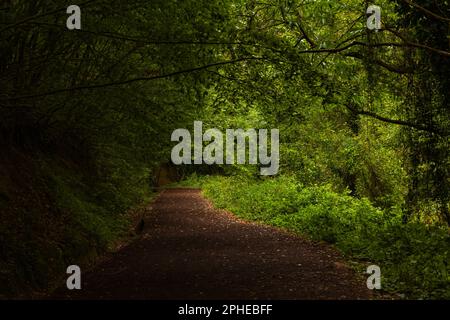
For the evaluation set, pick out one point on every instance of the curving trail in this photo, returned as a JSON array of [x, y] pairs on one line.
[[189, 250]]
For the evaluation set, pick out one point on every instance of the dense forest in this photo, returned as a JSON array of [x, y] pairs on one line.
[[363, 117]]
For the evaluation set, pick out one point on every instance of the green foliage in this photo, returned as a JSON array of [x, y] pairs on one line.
[[414, 258]]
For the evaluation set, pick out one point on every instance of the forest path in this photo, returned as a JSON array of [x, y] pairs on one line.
[[189, 250]]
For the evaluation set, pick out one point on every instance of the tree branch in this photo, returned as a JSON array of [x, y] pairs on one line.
[[381, 63], [396, 121], [426, 11], [302, 30], [118, 83], [416, 45]]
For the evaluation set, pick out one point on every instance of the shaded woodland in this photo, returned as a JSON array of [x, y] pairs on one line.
[[86, 119]]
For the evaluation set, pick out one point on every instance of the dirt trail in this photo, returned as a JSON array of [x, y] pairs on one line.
[[188, 250]]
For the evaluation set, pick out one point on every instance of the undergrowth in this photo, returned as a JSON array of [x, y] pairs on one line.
[[414, 257], [57, 214]]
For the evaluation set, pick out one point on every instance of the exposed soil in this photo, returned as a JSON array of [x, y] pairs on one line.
[[189, 250]]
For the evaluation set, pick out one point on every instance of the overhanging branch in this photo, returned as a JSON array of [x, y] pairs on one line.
[[387, 66], [128, 81], [426, 11], [396, 121]]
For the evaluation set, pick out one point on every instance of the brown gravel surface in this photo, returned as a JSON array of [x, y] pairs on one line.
[[189, 250]]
